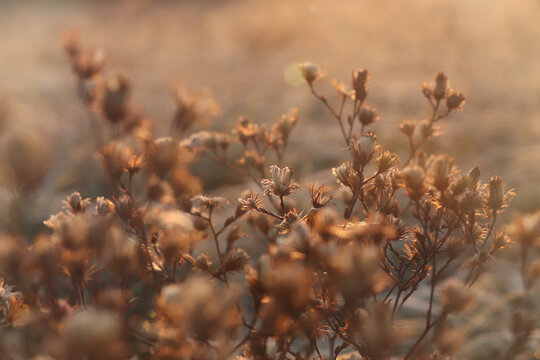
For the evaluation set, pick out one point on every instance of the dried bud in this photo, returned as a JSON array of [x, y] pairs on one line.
[[360, 84], [368, 115], [427, 89], [286, 123], [455, 100], [202, 262], [495, 198], [76, 203], [407, 127], [89, 62], [310, 72], [441, 86], [473, 177], [427, 129], [115, 98], [124, 208], [289, 220]]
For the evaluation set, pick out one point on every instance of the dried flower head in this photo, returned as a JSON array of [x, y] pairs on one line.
[[413, 178], [363, 149], [368, 115], [201, 204], [455, 297], [441, 86], [347, 176], [407, 127], [282, 182], [319, 197], [115, 98], [162, 155], [252, 202], [310, 72], [455, 100], [360, 84], [115, 156]]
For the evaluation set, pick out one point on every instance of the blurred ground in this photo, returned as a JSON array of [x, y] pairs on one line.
[[246, 52]]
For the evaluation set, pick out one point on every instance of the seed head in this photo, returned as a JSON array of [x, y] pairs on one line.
[[310, 72], [282, 182]]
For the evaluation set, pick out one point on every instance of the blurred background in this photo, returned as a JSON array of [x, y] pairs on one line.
[[247, 52]]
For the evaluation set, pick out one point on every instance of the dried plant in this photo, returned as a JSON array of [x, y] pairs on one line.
[[157, 270]]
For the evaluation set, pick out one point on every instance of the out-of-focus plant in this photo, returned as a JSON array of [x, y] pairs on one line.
[[156, 270]]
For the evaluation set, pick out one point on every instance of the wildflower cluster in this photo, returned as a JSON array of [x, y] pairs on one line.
[[156, 269]]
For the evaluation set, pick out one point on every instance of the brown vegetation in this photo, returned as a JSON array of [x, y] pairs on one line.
[[154, 269]]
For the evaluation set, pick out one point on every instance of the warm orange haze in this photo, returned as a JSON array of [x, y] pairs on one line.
[[269, 180]]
